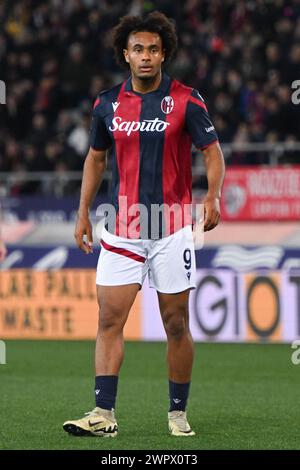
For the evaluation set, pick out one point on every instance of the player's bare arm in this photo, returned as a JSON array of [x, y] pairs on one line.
[[93, 170], [215, 170]]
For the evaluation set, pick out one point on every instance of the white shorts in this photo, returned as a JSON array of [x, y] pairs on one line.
[[169, 262]]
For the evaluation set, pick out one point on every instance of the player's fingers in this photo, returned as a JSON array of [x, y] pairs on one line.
[[79, 240], [87, 248], [207, 218], [89, 234], [82, 246], [207, 227], [217, 218], [214, 220]]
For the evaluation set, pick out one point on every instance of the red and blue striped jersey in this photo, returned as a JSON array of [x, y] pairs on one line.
[[150, 137]]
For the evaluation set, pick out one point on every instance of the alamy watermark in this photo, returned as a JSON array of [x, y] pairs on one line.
[[2, 92], [136, 220], [295, 357], [2, 352], [296, 94]]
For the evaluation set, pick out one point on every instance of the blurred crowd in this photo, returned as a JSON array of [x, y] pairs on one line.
[[55, 56]]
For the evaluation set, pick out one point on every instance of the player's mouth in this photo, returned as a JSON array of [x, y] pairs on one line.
[[145, 68]]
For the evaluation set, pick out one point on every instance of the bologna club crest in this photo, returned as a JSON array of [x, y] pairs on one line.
[[167, 104]]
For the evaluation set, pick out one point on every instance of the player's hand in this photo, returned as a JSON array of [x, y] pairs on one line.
[[211, 213], [84, 230]]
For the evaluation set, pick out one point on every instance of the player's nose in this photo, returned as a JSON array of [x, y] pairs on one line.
[[146, 55]]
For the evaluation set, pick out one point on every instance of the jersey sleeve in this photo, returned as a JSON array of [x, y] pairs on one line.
[[198, 122], [99, 136]]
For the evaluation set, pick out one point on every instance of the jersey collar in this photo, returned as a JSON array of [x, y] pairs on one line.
[[163, 86]]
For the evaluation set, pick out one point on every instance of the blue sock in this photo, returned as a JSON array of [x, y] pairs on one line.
[[106, 391], [178, 395]]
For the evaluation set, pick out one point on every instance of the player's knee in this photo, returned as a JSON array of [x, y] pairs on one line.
[[109, 320], [175, 323]]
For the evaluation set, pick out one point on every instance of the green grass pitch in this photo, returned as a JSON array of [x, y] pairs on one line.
[[243, 396]]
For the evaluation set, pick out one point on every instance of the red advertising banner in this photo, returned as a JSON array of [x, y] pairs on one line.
[[261, 193]]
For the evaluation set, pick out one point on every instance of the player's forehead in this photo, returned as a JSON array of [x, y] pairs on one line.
[[144, 38]]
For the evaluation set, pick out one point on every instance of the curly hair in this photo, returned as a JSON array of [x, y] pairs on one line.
[[155, 22]]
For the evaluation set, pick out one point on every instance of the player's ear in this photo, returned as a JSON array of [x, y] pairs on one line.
[[125, 52], [163, 56]]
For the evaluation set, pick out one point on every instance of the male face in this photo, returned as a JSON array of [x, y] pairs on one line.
[[144, 54]]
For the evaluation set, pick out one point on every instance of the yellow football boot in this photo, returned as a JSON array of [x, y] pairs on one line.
[[98, 422]]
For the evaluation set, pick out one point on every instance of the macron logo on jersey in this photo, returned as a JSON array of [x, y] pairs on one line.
[[148, 125], [115, 105]]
